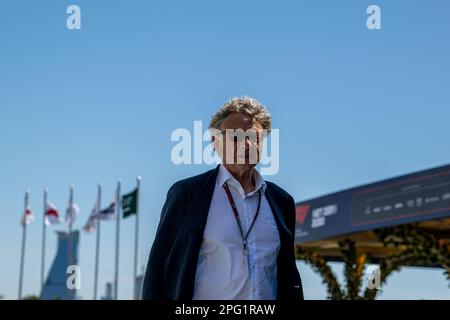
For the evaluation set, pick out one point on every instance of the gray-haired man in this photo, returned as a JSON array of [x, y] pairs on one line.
[[227, 234]]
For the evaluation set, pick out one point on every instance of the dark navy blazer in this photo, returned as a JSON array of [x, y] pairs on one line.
[[172, 263]]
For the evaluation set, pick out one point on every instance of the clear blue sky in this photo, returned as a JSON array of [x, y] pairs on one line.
[[99, 104]]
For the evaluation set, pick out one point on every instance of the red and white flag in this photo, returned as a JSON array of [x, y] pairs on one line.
[[27, 217], [51, 214]]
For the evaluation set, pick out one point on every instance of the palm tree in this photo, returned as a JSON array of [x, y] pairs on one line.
[[416, 247]]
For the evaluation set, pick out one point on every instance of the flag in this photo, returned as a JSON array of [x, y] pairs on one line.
[[27, 217], [109, 213], [51, 214], [129, 203], [92, 221], [90, 225], [71, 213]]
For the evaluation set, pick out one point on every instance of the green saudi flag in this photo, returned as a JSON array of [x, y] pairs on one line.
[[129, 203]]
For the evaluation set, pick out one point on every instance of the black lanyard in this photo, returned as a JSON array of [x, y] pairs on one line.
[[238, 220]]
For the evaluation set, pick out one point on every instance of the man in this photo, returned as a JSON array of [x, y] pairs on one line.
[[227, 234]]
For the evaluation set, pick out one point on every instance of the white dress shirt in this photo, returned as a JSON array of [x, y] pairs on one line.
[[223, 271]]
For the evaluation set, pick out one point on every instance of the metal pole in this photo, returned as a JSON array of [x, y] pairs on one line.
[[97, 247], [136, 238], [69, 240], [24, 237], [44, 229], [116, 275]]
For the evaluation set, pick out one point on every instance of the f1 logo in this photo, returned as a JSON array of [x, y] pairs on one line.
[[301, 212]]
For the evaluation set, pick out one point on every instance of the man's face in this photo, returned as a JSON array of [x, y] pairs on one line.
[[240, 140]]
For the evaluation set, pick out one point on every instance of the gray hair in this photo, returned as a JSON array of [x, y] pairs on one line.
[[247, 106]]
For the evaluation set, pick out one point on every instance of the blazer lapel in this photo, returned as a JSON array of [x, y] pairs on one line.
[[198, 211], [285, 236], [277, 212], [192, 234]]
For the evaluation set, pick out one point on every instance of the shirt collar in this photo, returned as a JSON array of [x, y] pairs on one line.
[[225, 175]]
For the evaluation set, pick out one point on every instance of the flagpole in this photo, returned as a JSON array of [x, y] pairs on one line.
[[136, 237], [24, 237], [69, 241], [116, 275], [97, 246], [44, 229]]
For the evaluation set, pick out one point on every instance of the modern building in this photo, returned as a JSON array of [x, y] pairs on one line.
[[55, 286]]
